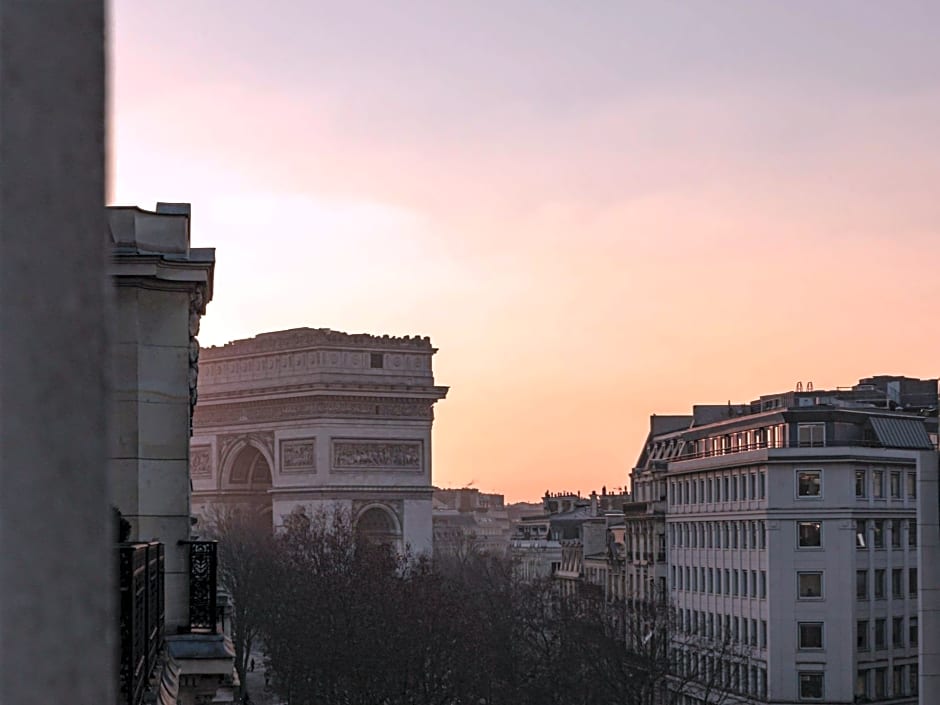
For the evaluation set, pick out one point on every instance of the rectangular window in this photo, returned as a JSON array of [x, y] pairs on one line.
[[912, 582], [897, 681], [912, 635], [895, 485], [912, 685], [878, 484], [376, 361], [811, 685], [811, 435], [763, 633], [881, 688], [809, 585], [860, 484], [861, 534], [912, 532], [861, 684], [763, 584], [861, 584], [879, 634], [897, 584], [811, 635], [762, 480], [895, 533], [763, 534], [735, 582], [911, 485], [897, 632], [878, 533], [809, 483], [724, 491], [861, 635], [809, 534], [879, 583]]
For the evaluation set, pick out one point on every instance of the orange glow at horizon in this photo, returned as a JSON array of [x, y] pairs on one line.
[[595, 215]]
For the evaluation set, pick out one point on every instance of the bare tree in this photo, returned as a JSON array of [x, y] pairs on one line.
[[246, 545]]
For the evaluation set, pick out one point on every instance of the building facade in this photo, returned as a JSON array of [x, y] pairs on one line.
[[171, 650], [792, 537], [315, 419]]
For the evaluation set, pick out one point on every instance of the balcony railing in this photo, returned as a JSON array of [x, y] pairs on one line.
[[140, 576], [746, 447], [203, 568]]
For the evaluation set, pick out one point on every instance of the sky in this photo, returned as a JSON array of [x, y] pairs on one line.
[[597, 211]]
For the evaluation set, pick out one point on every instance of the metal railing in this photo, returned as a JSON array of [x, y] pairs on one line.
[[140, 577], [745, 447], [203, 569]]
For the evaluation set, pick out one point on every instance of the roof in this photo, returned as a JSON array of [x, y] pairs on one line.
[[895, 432]]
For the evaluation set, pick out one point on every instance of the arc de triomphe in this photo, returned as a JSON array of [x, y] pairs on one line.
[[314, 418]]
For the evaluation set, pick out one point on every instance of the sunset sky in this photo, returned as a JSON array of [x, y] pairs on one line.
[[597, 210]]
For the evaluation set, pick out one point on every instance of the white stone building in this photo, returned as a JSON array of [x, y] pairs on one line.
[[792, 533], [314, 419]]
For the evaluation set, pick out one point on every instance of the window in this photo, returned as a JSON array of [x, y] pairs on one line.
[[861, 584], [809, 585], [861, 635], [809, 483], [809, 534], [879, 634], [897, 681], [897, 632], [895, 533], [878, 526], [911, 485], [860, 533], [763, 584], [376, 360], [912, 672], [897, 586], [912, 533], [811, 685], [811, 635], [811, 435], [763, 633], [860, 484], [861, 684], [912, 582], [879, 583], [878, 484], [895, 485], [762, 482], [724, 485], [881, 689]]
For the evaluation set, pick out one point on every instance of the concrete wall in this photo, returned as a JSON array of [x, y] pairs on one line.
[[57, 627]]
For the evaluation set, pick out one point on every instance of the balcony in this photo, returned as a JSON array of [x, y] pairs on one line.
[[140, 576], [142, 615]]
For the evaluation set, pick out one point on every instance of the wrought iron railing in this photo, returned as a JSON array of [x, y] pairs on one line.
[[140, 577], [203, 568]]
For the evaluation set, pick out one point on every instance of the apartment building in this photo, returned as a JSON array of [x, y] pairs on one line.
[[792, 542]]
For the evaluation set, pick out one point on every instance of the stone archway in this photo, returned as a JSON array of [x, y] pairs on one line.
[[379, 524], [249, 477]]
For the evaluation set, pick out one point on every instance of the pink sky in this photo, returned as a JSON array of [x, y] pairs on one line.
[[597, 211]]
